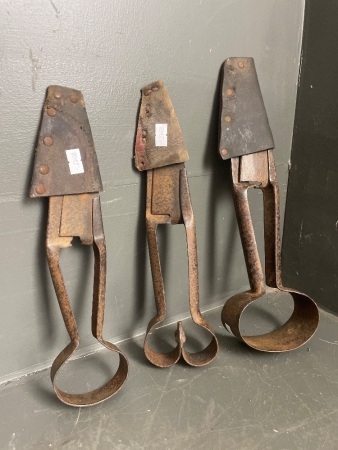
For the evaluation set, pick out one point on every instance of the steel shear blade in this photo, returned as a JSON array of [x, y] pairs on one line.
[[161, 151], [66, 171], [246, 138]]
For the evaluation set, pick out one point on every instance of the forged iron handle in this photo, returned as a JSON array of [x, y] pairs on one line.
[[206, 355], [303, 322], [54, 245], [99, 247], [159, 359], [190, 229], [246, 230], [272, 244], [156, 271]]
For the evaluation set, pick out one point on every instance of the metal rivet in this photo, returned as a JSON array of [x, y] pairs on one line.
[[74, 98], [44, 170], [141, 165], [51, 112], [47, 140], [147, 92], [40, 189], [241, 64], [144, 133], [154, 88], [224, 152], [227, 119], [57, 94], [229, 92]]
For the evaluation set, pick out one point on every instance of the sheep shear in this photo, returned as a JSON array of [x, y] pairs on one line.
[[161, 151], [246, 138], [66, 170]]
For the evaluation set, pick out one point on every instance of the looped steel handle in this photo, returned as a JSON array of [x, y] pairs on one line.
[[305, 317], [159, 359], [58, 237]]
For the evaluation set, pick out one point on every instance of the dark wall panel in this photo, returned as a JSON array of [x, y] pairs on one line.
[[310, 243]]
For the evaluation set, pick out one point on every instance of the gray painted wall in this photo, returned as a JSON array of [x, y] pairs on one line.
[[109, 50]]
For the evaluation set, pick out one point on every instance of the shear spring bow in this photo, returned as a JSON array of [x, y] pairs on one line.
[[246, 138], [168, 202], [66, 171]]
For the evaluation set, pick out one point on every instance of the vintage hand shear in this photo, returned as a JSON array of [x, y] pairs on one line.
[[161, 151], [246, 138], [66, 171]]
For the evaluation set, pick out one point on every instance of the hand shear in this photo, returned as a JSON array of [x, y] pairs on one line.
[[161, 151], [246, 138], [66, 170]]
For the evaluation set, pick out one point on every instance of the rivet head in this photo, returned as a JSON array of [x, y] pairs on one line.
[[141, 163], [229, 92], [51, 112], [57, 95], [241, 64], [147, 92], [224, 152], [44, 170], [40, 189], [154, 88], [47, 140], [227, 119], [74, 98], [144, 133]]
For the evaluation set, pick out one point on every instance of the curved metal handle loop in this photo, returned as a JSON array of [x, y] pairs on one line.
[[170, 358], [157, 358], [304, 319], [54, 245], [206, 355]]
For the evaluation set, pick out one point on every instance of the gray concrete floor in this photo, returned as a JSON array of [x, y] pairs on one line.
[[243, 400]]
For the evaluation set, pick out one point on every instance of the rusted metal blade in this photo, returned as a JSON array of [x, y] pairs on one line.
[[65, 159], [159, 139], [244, 123]]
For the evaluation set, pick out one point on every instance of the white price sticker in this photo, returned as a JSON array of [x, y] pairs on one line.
[[161, 130], [74, 161]]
